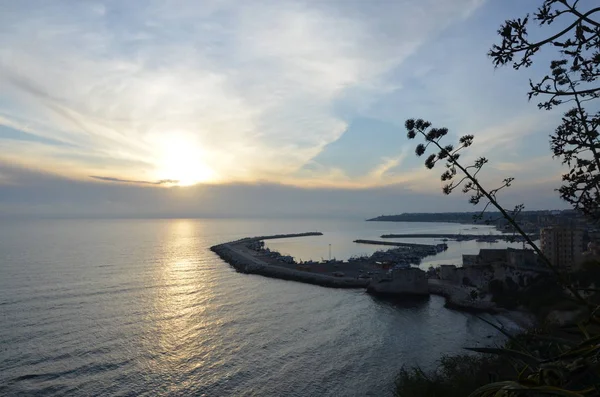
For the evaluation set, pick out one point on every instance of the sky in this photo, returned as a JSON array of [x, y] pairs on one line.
[[259, 108]]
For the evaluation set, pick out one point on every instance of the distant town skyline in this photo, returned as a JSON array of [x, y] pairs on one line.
[[280, 108]]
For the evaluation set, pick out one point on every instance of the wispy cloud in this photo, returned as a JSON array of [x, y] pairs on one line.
[[250, 90], [385, 169], [160, 182]]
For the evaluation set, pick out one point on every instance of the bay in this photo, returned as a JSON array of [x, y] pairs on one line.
[[143, 307]]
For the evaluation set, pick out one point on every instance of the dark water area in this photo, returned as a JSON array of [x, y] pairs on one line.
[[142, 307]]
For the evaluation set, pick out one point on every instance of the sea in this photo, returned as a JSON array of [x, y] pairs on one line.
[[143, 308]]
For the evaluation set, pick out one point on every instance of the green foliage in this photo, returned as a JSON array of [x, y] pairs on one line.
[[572, 370], [456, 376], [548, 362], [542, 296], [545, 295]]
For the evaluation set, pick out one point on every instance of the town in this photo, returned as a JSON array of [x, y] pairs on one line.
[[566, 239]]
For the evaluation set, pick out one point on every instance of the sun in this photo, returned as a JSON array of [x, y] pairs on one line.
[[182, 160]]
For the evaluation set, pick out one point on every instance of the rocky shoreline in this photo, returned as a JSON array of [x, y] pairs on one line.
[[458, 298]]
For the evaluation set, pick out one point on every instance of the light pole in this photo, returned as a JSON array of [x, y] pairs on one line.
[[329, 251]]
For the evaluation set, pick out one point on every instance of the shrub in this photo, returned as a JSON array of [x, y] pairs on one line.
[[456, 376]]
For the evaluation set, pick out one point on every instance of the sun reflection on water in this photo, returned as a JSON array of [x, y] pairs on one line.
[[179, 323]]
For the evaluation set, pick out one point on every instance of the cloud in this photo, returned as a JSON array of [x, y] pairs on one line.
[[387, 166], [160, 182], [251, 89], [32, 193]]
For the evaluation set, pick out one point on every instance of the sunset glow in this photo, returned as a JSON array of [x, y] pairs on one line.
[[183, 161]]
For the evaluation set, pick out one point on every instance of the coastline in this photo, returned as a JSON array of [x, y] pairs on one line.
[[245, 263], [244, 260]]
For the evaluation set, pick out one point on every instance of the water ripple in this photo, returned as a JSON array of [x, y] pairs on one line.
[[142, 308]]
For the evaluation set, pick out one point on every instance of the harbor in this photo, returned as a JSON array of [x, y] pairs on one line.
[[249, 255], [389, 272]]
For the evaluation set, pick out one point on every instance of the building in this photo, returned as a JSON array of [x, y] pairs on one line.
[[562, 245], [523, 258], [507, 256]]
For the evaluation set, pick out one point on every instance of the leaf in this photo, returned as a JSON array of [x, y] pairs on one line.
[[494, 387], [584, 331], [556, 391], [556, 339], [590, 341], [526, 358], [515, 386], [521, 375]]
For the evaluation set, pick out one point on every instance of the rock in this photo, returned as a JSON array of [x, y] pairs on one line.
[[409, 281]]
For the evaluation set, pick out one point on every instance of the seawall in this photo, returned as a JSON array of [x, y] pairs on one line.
[[245, 263], [507, 237], [396, 244]]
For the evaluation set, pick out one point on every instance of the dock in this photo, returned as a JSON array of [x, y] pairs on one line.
[[278, 236], [393, 243], [460, 237]]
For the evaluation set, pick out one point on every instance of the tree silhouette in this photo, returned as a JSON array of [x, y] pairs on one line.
[[572, 79], [458, 175]]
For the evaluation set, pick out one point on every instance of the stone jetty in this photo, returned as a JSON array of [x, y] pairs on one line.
[[463, 237], [249, 256], [428, 249]]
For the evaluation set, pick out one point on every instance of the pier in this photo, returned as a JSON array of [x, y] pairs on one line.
[[424, 249], [394, 243], [278, 236], [462, 237]]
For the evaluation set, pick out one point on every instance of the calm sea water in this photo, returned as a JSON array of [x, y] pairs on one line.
[[142, 307]]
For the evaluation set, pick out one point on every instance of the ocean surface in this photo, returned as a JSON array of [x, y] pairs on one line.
[[142, 307]]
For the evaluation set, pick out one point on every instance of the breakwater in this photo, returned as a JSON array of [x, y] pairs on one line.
[[462, 237], [424, 249], [394, 243], [242, 259], [277, 236]]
